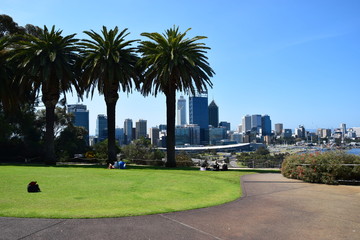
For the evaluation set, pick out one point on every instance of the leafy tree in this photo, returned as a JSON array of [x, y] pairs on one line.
[[101, 149], [109, 64], [47, 62], [173, 63], [71, 141]]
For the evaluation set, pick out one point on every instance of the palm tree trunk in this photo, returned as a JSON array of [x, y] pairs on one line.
[[49, 147], [170, 122], [111, 130]]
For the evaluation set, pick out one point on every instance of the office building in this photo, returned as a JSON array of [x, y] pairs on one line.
[[279, 128], [119, 136], [213, 114], [80, 117], [246, 123], [199, 114], [216, 135], [141, 128], [225, 125], [256, 123], [265, 125], [182, 135], [181, 111], [128, 131], [154, 136], [101, 130], [287, 133]]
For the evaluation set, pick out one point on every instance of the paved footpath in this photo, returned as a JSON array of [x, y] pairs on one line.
[[272, 207]]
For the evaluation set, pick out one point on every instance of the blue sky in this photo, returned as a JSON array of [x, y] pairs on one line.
[[295, 60]]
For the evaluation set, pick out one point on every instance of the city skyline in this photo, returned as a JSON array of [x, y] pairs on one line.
[[269, 56]]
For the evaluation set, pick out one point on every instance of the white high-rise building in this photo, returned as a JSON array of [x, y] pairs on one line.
[[181, 111], [246, 123]]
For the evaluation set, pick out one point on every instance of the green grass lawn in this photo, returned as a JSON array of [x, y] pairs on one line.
[[92, 192]]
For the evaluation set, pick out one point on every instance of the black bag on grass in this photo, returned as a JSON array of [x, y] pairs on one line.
[[33, 187]]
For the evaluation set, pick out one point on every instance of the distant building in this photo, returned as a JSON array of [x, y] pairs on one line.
[[279, 128], [162, 127], [154, 136], [101, 130], [246, 123], [128, 131], [119, 136], [216, 135], [265, 125], [300, 132], [237, 137], [141, 128], [225, 125], [199, 114], [256, 122], [81, 117], [182, 135], [213, 114], [287, 133], [181, 111]]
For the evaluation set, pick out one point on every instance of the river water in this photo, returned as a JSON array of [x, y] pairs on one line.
[[355, 151]]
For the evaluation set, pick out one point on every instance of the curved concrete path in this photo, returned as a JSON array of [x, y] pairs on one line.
[[272, 207]]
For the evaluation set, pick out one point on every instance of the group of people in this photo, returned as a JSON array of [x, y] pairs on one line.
[[117, 165], [215, 167]]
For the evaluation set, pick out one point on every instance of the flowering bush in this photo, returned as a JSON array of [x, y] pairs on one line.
[[328, 167]]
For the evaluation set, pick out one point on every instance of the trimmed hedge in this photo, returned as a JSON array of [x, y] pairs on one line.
[[325, 167]]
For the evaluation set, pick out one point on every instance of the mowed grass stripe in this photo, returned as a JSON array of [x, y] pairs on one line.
[[84, 192]]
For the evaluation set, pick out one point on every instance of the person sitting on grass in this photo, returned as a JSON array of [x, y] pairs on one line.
[[122, 164]]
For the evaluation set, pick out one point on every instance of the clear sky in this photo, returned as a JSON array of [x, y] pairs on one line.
[[295, 60]]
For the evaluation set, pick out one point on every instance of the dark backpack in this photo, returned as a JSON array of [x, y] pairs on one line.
[[33, 187]]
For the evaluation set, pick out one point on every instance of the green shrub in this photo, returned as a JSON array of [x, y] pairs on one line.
[[321, 167], [184, 160]]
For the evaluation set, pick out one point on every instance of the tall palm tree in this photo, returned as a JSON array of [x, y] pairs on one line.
[[109, 64], [46, 63], [174, 63]]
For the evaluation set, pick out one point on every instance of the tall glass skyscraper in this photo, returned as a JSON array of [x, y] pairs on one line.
[[265, 125], [199, 114], [101, 127], [81, 117], [128, 126], [213, 114], [140, 130], [181, 111]]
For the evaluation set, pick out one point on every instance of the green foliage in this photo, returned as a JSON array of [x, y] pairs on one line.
[[101, 150], [71, 141], [184, 160], [322, 167], [141, 150], [261, 158]]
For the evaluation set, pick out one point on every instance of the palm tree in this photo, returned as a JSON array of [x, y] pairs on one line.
[[109, 64], [174, 63], [46, 63]]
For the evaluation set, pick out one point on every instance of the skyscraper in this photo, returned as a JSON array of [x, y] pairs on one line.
[[213, 114], [154, 136], [140, 130], [101, 127], [181, 111], [265, 125], [199, 114], [81, 117], [279, 128], [256, 122], [128, 126], [246, 124]]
